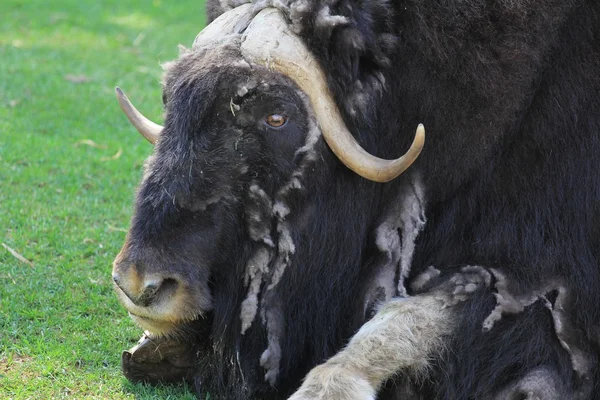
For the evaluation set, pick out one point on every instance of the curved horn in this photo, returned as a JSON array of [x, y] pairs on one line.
[[147, 128], [232, 22], [269, 40]]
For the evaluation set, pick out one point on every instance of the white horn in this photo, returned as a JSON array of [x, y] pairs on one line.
[[268, 40], [144, 126], [230, 23]]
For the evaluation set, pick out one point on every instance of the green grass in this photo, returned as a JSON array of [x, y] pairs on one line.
[[65, 205]]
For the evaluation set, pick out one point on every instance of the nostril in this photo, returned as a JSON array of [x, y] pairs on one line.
[[153, 289], [169, 285], [150, 288], [148, 293]]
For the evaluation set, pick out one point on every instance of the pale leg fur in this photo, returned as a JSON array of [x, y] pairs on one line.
[[403, 336]]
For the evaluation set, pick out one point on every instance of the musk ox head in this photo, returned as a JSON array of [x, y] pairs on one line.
[[236, 180], [242, 106]]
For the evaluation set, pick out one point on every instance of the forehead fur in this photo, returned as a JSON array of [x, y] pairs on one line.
[[221, 68], [221, 72], [202, 64]]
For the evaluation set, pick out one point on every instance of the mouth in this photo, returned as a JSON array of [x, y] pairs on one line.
[[162, 319]]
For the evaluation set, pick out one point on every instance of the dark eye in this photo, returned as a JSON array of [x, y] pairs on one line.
[[276, 120]]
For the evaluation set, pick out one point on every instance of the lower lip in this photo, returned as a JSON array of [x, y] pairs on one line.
[[142, 318], [152, 325]]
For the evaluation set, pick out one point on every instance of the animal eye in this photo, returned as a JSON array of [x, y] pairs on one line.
[[276, 120]]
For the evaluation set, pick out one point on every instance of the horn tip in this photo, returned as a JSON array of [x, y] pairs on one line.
[[420, 134]]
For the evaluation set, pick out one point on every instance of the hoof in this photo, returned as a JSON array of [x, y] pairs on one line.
[[155, 360]]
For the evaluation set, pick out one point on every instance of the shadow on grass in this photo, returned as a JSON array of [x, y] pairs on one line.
[[145, 391]]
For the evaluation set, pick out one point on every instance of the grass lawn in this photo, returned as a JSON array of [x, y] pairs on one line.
[[69, 165]]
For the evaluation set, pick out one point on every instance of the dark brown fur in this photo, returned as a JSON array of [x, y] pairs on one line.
[[509, 92]]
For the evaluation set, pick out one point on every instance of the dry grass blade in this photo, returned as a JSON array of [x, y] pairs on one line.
[[138, 40], [77, 78], [91, 143], [112, 228], [115, 157], [17, 255]]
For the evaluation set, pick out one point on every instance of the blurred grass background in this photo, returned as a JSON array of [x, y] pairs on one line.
[[69, 165]]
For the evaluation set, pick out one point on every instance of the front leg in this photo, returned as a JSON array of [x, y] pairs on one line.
[[166, 359], [402, 337], [160, 359]]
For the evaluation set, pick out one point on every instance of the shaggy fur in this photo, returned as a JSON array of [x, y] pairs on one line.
[[509, 92]]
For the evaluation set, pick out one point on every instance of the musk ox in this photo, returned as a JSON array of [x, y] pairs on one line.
[[275, 229]]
